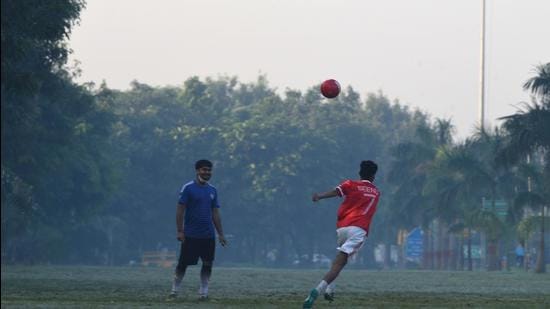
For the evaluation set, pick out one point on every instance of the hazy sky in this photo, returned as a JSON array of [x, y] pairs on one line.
[[426, 53]]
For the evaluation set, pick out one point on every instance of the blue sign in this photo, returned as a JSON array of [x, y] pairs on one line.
[[414, 246]]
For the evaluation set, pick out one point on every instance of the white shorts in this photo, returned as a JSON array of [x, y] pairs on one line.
[[350, 239]]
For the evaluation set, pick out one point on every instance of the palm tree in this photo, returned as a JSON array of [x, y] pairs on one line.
[[406, 177], [528, 132], [408, 174], [529, 135], [444, 189], [535, 198], [458, 180], [539, 84]]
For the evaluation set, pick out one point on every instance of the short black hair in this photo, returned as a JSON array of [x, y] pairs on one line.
[[203, 163], [368, 170]]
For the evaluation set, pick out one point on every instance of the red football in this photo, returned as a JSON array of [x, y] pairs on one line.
[[330, 88]]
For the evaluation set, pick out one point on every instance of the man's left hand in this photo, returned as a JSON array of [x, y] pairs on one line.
[[222, 240]]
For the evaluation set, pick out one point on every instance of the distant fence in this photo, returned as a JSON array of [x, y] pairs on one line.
[[159, 258]]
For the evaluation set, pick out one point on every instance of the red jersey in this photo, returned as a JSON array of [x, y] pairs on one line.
[[359, 205]]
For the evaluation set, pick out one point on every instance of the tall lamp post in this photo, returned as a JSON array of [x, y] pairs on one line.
[[482, 71]]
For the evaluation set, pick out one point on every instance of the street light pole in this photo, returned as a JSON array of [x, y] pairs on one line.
[[482, 71]]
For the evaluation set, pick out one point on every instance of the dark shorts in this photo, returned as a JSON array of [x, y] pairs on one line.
[[194, 248]]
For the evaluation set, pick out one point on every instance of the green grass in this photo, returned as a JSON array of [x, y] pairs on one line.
[[125, 287]]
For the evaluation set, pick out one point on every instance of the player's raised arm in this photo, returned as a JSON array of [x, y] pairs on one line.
[[320, 196]]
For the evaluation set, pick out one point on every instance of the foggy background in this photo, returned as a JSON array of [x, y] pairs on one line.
[[91, 171], [426, 53]]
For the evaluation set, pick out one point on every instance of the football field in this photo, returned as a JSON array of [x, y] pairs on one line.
[[139, 287]]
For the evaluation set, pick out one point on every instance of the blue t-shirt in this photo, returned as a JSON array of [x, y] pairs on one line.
[[520, 251], [199, 201]]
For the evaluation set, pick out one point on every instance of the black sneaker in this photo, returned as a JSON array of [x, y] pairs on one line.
[[203, 297], [329, 296], [173, 295]]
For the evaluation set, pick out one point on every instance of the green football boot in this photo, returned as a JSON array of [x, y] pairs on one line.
[[308, 303]]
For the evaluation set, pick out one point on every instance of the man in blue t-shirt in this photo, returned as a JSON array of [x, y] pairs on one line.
[[520, 254], [197, 216]]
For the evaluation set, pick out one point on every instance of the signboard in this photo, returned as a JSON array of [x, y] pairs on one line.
[[414, 246], [500, 207], [476, 251]]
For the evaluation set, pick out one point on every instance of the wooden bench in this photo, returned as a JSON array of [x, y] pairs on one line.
[[159, 258]]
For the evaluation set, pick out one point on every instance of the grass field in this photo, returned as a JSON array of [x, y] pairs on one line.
[[125, 287]]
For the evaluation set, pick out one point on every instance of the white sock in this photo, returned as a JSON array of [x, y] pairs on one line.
[[176, 284], [330, 288], [203, 290], [322, 286]]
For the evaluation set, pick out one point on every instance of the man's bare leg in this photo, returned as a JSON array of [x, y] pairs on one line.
[[338, 264]]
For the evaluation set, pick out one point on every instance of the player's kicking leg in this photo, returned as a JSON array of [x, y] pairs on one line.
[[329, 292], [337, 265]]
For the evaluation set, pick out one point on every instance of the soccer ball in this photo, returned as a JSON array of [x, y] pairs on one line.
[[330, 88]]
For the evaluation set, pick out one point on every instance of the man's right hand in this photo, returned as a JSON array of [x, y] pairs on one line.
[[181, 236], [315, 197]]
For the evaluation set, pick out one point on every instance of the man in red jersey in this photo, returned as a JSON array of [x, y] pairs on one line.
[[354, 218]]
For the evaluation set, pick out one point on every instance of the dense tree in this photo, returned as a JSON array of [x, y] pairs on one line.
[[528, 134], [55, 168]]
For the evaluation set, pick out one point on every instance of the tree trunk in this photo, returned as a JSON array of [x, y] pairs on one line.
[[401, 256], [401, 260], [440, 245], [541, 264], [492, 256], [387, 255], [446, 246], [282, 258], [470, 264], [452, 253], [527, 256], [253, 250], [431, 254], [460, 253], [387, 250]]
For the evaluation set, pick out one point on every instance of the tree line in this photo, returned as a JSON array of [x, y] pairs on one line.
[[92, 174]]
